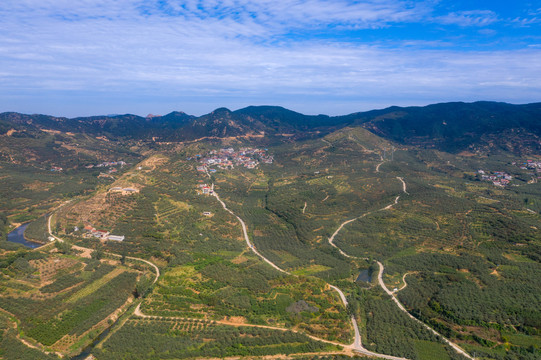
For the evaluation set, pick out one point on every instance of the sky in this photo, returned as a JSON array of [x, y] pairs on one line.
[[90, 57]]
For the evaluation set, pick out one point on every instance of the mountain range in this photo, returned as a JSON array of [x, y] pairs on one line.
[[452, 127]]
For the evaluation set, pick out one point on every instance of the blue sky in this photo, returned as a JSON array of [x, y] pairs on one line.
[[88, 57]]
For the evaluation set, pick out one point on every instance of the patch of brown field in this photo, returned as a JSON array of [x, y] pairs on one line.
[[496, 273], [194, 291], [318, 229], [486, 333], [83, 252], [239, 259], [466, 154], [197, 306], [259, 233], [48, 131], [238, 320], [158, 261], [153, 162], [79, 150]]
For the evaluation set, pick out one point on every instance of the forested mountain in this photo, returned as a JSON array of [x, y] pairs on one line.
[[458, 126], [452, 127]]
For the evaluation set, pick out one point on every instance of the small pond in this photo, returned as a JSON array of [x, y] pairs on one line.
[[365, 276], [17, 236]]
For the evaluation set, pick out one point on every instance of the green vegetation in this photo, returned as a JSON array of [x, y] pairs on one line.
[[471, 250], [57, 299], [156, 339], [13, 348]]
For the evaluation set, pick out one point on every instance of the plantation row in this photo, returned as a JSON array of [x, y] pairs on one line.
[[153, 339]]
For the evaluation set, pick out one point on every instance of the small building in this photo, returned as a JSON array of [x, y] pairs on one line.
[[116, 237], [101, 234], [207, 213]]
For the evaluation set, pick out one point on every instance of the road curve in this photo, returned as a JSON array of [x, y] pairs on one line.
[[357, 343], [405, 283], [246, 237], [457, 348]]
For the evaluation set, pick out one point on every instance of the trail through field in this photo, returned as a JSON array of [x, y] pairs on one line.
[[404, 188], [357, 343], [405, 283], [382, 269], [304, 208]]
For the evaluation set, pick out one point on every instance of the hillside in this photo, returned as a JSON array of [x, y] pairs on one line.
[[455, 127], [315, 204], [480, 127]]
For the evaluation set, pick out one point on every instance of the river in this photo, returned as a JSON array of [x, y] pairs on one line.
[[17, 236]]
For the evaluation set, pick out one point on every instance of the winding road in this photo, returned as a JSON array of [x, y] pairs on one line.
[[457, 348], [357, 343]]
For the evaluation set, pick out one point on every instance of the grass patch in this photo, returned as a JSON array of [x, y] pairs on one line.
[[427, 350], [95, 286], [311, 270]]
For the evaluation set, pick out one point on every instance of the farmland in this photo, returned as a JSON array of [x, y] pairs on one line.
[[60, 302], [462, 254]]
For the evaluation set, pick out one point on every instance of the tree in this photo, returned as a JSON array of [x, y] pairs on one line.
[[98, 253], [63, 247]]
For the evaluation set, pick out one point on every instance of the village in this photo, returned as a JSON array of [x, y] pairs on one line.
[[228, 158], [498, 178]]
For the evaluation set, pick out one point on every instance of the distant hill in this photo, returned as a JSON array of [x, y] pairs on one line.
[[452, 127]]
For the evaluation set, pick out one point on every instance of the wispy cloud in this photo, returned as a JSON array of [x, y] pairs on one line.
[[237, 52], [469, 18]]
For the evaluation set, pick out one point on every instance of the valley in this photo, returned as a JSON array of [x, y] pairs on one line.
[[261, 259]]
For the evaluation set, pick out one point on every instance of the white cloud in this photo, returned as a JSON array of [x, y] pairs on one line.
[[232, 51], [469, 18]]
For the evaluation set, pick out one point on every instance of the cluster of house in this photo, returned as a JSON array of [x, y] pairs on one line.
[[124, 191], [498, 178], [228, 158], [529, 165], [101, 234], [56, 168]]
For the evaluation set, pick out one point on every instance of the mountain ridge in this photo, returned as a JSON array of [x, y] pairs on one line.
[[452, 126]]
